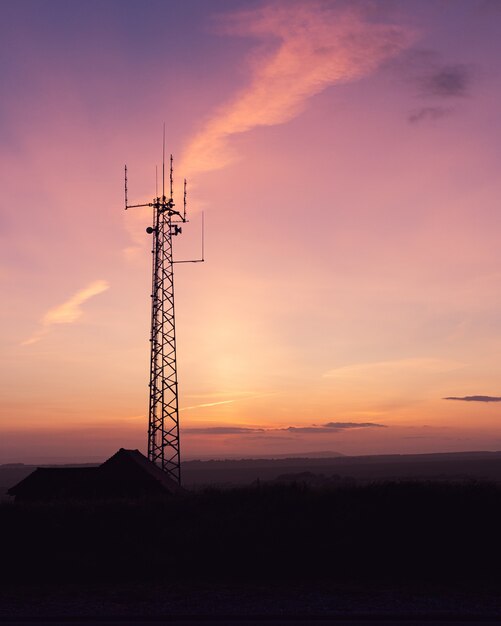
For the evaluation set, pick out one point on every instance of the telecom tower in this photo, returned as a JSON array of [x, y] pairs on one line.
[[163, 414]]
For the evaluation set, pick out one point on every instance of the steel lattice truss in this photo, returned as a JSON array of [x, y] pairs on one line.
[[163, 424], [163, 414]]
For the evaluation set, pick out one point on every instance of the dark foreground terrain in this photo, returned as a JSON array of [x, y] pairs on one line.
[[423, 549]]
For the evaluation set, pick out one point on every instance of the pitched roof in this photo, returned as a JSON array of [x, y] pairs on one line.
[[56, 479], [138, 460], [128, 473]]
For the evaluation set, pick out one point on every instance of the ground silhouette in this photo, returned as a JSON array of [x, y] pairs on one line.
[[395, 532]]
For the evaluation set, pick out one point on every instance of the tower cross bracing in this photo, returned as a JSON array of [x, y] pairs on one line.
[[163, 409], [163, 422]]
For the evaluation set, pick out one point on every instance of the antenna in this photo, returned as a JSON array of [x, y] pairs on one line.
[[171, 177], [202, 256], [184, 200], [126, 187], [163, 414], [132, 206], [163, 166], [156, 180]]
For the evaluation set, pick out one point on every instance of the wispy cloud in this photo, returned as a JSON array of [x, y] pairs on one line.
[[305, 47], [447, 81], [223, 430], [428, 113], [68, 312], [475, 398], [430, 77], [243, 396], [329, 428], [206, 404], [441, 84]]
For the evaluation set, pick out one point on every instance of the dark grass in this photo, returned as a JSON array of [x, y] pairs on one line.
[[400, 533]]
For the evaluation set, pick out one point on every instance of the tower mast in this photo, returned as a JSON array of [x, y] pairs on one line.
[[163, 411]]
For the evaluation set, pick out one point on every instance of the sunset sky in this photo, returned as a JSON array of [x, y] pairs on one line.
[[347, 158]]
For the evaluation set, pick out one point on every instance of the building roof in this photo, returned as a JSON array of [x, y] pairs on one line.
[[128, 473], [135, 459]]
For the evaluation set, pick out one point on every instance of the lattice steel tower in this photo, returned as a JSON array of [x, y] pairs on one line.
[[163, 414]]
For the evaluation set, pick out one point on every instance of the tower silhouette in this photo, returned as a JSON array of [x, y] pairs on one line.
[[163, 410]]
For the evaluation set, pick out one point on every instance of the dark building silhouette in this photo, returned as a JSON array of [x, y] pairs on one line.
[[127, 474]]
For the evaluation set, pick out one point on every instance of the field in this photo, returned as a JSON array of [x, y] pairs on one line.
[[296, 545], [413, 536]]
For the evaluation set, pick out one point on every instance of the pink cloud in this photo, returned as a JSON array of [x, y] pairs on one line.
[[69, 311], [308, 46]]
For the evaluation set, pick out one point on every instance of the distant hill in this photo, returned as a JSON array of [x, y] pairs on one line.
[[326, 454], [484, 466]]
